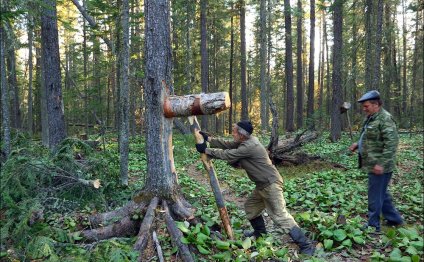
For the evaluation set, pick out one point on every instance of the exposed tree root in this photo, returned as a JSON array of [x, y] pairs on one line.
[[127, 226], [144, 231], [176, 235], [105, 218]]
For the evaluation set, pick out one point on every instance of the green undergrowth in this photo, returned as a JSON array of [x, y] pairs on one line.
[[43, 204]]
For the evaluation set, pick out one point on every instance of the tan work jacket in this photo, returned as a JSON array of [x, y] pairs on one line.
[[251, 155]]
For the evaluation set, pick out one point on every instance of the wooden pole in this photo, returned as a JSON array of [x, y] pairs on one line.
[[207, 163]]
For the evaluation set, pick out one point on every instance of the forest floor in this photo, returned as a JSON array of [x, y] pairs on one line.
[[41, 215]]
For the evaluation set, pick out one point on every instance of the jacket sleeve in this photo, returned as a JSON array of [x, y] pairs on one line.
[[390, 140], [230, 155], [223, 144]]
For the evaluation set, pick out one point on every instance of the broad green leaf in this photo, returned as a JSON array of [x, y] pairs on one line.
[[305, 216], [339, 234], [282, 252], [182, 227], [203, 250], [396, 254], [347, 243], [415, 258], [411, 250], [223, 245], [328, 244], [184, 240], [359, 240], [201, 238], [247, 243]]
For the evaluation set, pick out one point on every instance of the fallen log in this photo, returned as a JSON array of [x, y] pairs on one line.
[[101, 219], [124, 228]]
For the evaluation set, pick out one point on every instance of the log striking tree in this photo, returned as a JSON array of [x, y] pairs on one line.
[[161, 189]]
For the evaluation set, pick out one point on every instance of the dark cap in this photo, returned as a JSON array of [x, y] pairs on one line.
[[370, 95], [246, 125]]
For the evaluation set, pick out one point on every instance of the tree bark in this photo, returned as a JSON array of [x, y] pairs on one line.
[[368, 44], [52, 75], [243, 70], [204, 56], [335, 132], [311, 71], [230, 113], [263, 64], [289, 67], [299, 68], [124, 95], [30, 74], [4, 96], [201, 104], [378, 39]]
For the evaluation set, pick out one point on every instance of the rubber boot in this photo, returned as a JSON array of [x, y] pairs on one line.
[[258, 225], [305, 245]]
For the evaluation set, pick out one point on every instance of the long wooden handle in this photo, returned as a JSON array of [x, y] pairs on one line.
[[213, 180]]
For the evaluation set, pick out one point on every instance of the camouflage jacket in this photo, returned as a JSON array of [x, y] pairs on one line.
[[250, 155], [379, 142]]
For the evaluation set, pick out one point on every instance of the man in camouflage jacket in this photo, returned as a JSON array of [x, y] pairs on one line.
[[248, 153], [377, 151]]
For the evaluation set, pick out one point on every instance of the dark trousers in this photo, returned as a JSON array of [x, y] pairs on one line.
[[380, 201]]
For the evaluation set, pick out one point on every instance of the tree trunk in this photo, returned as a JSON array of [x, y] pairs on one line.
[[52, 76], [299, 69], [243, 70], [4, 96], [124, 95], [161, 179], [335, 132], [378, 38], [289, 67], [368, 44], [30, 73], [404, 83], [204, 56], [311, 79], [230, 114], [15, 112], [85, 58], [263, 65]]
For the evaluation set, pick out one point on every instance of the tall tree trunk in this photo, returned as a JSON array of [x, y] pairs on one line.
[[263, 65], [404, 83], [311, 71], [85, 58], [269, 55], [124, 95], [414, 85], [299, 69], [204, 56], [378, 38], [321, 69], [15, 112], [30, 73], [368, 44], [189, 54], [244, 102], [52, 76], [354, 64], [230, 113], [161, 177], [289, 67], [336, 122], [388, 63], [5, 116]]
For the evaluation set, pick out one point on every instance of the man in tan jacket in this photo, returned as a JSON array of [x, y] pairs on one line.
[[248, 153]]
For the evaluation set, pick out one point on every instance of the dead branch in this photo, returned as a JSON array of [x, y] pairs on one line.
[[158, 247], [125, 227]]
